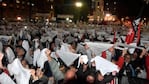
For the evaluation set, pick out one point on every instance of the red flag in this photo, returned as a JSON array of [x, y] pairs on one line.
[[104, 55], [130, 36], [114, 38]]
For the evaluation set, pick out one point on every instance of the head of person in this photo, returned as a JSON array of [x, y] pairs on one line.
[[39, 72], [128, 23], [85, 66], [90, 79], [52, 46], [70, 75], [20, 51], [24, 63], [135, 55], [99, 76], [20, 42], [127, 58], [74, 44]]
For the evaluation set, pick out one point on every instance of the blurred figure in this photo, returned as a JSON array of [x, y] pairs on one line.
[[70, 77], [131, 33], [127, 72], [39, 77]]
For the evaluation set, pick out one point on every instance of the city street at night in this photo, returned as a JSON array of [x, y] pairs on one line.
[[74, 42]]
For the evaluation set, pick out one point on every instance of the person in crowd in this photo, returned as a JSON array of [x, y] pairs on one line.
[[20, 52], [83, 70], [131, 33], [70, 77], [138, 63], [90, 54], [47, 68], [127, 72], [38, 77], [100, 79], [53, 65]]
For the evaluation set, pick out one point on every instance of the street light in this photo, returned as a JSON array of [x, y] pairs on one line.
[[19, 18], [108, 15], [78, 4]]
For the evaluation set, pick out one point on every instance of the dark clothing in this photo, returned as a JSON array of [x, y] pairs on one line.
[[82, 75], [73, 81], [128, 71], [47, 69], [42, 80], [107, 79], [139, 62]]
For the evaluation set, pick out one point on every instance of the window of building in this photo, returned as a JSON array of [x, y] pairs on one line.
[[108, 9], [114, 9], [23, 2], [17, 1], [33, 4], [107, 4], [114, 2], [28, 3], [98, 3]]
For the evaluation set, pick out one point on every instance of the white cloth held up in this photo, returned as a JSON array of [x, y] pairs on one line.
[[21, 74]]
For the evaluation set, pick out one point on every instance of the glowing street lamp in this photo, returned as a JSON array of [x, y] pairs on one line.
[[19, 18], [4, 4], [107, 15], [78, 4]]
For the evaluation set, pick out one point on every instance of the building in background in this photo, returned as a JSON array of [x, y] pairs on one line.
[[26, 9], [103, 10], [11, 9], [97, 14]]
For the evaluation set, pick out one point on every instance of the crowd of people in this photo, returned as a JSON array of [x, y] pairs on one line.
[[29, 55]]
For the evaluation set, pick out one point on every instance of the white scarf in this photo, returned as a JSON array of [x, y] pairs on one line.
[[21, 74], [36, 56], [5, 79], [42, 58], [10, 54]]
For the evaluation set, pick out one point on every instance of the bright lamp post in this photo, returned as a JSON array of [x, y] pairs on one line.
[[78, 5]]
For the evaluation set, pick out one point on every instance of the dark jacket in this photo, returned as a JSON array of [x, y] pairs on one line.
[[107, 79]]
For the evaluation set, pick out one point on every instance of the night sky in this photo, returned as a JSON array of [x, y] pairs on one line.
[[125, 7], [133, 7]]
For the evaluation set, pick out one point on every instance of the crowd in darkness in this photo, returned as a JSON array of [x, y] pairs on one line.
[[31, 49]]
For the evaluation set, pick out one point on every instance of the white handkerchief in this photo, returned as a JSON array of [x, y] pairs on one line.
[[21, 74], [84, 58], [104, 65], [36, 56], [5, 79], [42, 58], [10, 54], [98, 47]]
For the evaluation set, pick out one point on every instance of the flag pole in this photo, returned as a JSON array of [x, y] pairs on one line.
[[136, 23]]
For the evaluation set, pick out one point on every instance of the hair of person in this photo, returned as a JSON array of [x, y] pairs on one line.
[[20, 47]]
